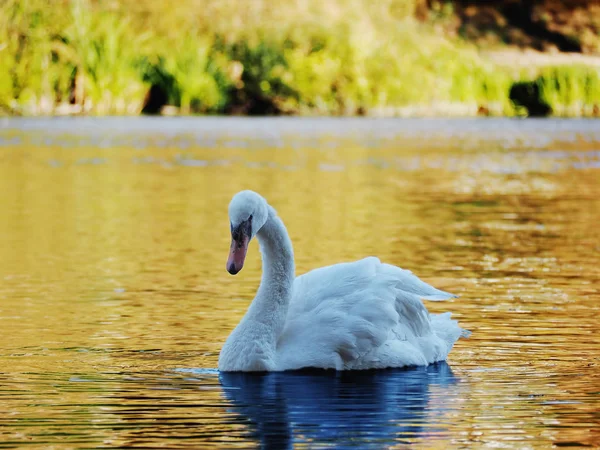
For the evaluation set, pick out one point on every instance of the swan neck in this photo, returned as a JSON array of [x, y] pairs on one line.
[[272, 299]]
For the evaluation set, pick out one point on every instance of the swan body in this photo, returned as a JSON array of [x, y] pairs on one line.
[[349, 316]]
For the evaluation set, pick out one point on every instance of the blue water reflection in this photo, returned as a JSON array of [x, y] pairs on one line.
[[366, 409]]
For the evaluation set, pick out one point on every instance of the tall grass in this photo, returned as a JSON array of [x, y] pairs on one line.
[[571, 90], [28, 75], [240, 56], [100, 52]]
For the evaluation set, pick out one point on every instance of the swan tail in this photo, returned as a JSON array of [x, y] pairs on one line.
[[447, 329], [364, 314], [406, 281]]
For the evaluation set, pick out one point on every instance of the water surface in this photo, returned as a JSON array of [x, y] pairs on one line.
[[114, 299]]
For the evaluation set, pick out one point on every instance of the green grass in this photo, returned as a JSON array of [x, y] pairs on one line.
[[571, 90], [339, 57]]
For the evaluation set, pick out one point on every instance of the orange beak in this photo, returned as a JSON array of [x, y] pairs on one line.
[[237, 254]]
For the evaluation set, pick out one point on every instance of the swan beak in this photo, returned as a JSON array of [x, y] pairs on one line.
[[237, 254], [240, 237]]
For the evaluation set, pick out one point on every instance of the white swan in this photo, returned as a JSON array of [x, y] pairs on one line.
[[349, 316]]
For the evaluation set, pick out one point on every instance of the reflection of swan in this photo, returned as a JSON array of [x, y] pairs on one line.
[[356, 315], [373, 408]]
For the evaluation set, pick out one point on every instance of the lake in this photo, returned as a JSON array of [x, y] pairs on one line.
[[115, 301]]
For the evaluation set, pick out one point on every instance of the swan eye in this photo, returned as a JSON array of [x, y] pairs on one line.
[[244, 229]]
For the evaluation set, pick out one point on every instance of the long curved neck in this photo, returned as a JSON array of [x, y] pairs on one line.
[[271, 303]]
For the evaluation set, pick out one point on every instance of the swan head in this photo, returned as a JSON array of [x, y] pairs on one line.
[[248, 212]]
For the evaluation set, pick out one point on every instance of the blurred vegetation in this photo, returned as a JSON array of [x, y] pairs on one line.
[[571, 90], [562, 91], [339, 57]]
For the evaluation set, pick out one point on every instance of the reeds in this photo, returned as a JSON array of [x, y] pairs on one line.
[[337, 57], [571, 90]]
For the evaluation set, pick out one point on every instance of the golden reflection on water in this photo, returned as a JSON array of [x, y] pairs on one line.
[[112, 275]]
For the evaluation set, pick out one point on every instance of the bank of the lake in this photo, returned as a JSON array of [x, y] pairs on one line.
[[335, 57]]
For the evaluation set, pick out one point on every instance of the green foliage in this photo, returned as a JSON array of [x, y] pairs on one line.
[[30, 81], [571, 90], [253, 57], [190, 77], [365, 72], [99, 51], [560, 91], [261, 86]]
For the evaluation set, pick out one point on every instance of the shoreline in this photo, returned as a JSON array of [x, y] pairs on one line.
[[338, 58]]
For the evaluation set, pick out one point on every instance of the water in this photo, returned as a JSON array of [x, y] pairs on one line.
[[114, 299]]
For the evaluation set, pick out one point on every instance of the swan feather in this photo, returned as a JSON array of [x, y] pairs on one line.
[[363, 314]]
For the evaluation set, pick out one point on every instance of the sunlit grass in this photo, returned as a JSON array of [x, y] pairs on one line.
[[339, 57], [571, 90], [100, 53]]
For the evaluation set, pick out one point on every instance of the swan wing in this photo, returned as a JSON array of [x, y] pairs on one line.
[[363, 314]]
